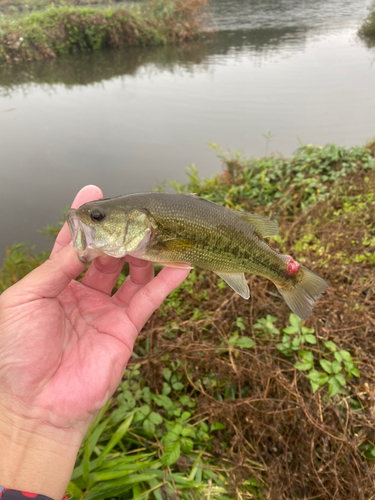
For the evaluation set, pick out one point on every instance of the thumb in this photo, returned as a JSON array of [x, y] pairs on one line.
[[52, 277]]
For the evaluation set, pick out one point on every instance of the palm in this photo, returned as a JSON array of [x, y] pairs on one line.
[[83, 355], [66, 344]]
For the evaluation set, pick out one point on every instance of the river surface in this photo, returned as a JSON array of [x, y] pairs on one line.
[[274, 74]]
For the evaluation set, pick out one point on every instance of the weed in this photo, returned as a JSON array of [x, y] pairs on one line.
[[230, 399], [66, 29]]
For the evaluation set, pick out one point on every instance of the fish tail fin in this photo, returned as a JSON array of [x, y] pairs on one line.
[[308, 287]]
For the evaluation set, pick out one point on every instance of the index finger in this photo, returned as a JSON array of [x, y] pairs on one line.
[[149, 298], [87, 193]]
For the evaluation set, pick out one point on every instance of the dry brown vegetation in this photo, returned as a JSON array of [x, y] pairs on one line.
[[278, 439], [298, 444]]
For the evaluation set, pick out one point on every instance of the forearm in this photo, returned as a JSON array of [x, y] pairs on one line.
[[35, 458]]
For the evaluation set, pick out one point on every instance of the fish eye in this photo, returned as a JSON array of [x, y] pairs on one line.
[[97, 215]]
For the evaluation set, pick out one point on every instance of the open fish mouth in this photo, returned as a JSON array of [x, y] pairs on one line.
[[83, 237]]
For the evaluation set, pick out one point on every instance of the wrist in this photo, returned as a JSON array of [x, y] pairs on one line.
[[36, 457]]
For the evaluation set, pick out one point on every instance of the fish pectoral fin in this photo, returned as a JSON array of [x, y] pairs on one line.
[[237, 282], [264, 226], [177, 244], [176, 265]]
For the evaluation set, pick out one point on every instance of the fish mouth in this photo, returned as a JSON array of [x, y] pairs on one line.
[[83, 237]]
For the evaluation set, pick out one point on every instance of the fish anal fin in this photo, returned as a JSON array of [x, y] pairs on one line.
[[264, 226], [237, 282], [176, 265]]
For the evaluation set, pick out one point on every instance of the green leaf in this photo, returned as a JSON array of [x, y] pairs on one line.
[[348, 366], [170, 437], [240, 324], [336, 367], [341, 379], [314, 386], [283, 347], [303, 366], [330, 345], [115, 487], [338, 357], [333, 386], [245, 342], [185, 416], [346, 356], [166, 389], [186, 444], [164, 401], [167, 373], [326, 365], [311, 339], [184, 400], [155, 418], [317, 377], [116, 437], [314, 375], [294, 320], [177, 429], [307, 356], [145, 410], [291, 329], [188, 431], [296, 342], [216, 426], [306, 330], [120, 470], [354, 372], [171, 453], [178, 386], [148, 426], [73, 491]]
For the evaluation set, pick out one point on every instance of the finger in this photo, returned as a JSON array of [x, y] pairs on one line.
[[87, 193], [140, 273], [103, 273], [149, 298], [52, 277]]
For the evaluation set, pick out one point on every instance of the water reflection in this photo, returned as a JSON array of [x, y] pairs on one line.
[[94, 67], [127, 119]]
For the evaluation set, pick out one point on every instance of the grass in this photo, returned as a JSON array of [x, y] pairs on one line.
[[232, 399], [67, 29], [367, 30]]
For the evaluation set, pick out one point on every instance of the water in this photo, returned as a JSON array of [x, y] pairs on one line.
[[292, 71]]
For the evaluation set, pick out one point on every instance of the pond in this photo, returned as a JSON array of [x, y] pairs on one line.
[[271, 76]]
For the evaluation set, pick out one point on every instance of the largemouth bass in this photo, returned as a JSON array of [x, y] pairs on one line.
[[182, 230]]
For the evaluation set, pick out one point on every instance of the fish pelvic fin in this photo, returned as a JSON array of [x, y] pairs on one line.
[[176, 265], [301, 297], [264, 226], [237, 282]]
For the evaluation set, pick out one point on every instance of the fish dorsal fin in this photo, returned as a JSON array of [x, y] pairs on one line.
[[264, 226], [237, 282]]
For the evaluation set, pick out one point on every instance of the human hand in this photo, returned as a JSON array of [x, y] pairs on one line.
[[64, 345]]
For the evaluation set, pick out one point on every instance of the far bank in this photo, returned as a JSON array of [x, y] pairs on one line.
[[62, 30]]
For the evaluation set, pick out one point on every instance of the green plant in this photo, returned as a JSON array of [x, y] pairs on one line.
[[295, 336], [338, 367], [133, 450]]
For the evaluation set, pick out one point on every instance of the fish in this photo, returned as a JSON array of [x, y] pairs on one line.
[[183, 231]]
